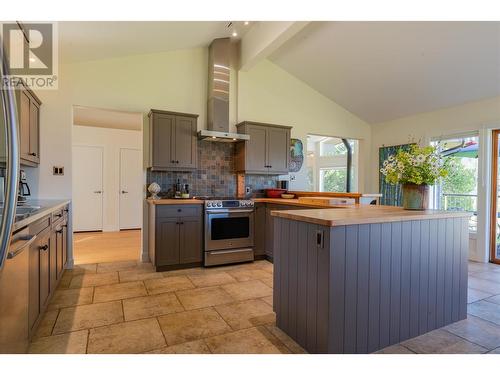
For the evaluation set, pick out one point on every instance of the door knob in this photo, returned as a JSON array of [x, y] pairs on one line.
[[124, 192]]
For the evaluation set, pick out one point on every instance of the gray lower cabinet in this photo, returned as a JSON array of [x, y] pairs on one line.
[[47, 261], [178, 236], [173, 141], [266, 223], [267, 151], [260, 230]]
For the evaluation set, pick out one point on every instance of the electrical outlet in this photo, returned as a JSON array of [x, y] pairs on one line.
[[58, 171], [248, 190]]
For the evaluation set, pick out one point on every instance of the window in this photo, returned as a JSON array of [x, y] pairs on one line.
[[458, 191], [327, 163]]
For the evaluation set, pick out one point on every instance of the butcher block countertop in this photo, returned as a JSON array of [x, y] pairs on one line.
[[363, 214], [175, 201], [296, 202]]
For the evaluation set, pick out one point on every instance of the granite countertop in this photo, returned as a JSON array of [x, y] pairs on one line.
[[363, 214], [47, 206]]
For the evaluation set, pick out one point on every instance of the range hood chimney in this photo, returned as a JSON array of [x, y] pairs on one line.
[[219, 53]]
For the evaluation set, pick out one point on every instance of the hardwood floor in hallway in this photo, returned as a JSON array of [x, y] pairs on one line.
[[101, 247]]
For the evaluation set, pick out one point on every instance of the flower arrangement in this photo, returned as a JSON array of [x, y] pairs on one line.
[[418, 166]]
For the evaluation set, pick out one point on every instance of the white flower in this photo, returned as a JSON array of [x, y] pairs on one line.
[[420, 158], [401, 165], [386, 163]]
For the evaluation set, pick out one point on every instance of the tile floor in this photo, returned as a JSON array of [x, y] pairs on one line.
[[126, 307]]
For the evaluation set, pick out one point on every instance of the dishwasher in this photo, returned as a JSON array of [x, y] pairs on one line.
[[14, 294]]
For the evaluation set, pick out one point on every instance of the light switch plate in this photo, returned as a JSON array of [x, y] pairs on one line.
[[58, 171]]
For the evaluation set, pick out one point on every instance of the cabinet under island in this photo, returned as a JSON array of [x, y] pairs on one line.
[[355, 280]]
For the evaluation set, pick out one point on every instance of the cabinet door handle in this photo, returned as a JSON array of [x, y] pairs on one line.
[[124, 192], [177, 161], [320, 239], [44, 247], [98, 192], [33, 154], [58, 215]]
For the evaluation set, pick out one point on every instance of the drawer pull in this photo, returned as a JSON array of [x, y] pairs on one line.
[[44, 247]]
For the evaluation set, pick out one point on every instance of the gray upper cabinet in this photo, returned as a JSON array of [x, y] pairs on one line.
[[173, 142], [267, 151], [28, 111]]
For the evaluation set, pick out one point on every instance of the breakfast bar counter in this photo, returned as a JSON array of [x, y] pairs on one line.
[[358, 279]]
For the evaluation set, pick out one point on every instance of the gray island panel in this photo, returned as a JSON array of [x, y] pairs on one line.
[[360, 288]]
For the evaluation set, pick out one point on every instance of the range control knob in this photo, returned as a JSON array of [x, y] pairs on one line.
[[219, 204]]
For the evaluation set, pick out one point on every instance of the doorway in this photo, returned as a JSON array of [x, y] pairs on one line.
[[130, 188], [87, 188], [107, 229], [495, 207]]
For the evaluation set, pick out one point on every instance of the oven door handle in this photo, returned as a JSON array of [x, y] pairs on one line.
[[228, 211]]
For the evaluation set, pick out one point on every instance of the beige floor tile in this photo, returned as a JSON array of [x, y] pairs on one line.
[[69, 343], [485, 310], [129, 337], [249, 274], [46, 324], [211, 279], [442, 342], [265, 265], [168, 284], [65, 280], [285, 339], [268, 281], [138, 274], [78, 269], [71, 297], [117, 266], [478, 331], [474, 295], [94, 279], [119, 291], [192, 347], [88, 316], [204, 297], [150, 306], [248, 290], [255, 340], [246, 314], [268, 300], [486, 286], [192, 325], [395, 349]]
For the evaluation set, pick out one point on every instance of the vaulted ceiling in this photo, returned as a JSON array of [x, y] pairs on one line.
[[386, 70]]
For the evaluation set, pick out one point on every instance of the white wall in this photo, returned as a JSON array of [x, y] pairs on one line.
[[111, 140], [480, 116]]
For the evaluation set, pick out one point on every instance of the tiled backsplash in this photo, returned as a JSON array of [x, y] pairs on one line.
[[214, 176]]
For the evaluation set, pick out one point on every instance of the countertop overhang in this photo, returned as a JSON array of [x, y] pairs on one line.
[[47, 206], [363, 214]]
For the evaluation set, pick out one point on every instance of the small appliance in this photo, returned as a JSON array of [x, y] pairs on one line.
[[24, 189]]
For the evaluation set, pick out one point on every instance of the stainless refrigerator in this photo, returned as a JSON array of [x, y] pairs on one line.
[[14, 254]]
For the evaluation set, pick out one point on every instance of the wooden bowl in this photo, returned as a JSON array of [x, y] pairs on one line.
[[287, 196]]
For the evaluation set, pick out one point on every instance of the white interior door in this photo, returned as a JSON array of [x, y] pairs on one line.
[[130, 188], [87, 188]]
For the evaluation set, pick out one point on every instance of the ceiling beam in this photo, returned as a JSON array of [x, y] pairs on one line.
[[264, 38]]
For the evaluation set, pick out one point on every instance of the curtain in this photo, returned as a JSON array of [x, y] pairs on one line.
[[392, 195]]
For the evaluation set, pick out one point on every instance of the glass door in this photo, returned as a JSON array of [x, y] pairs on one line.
[[495, 201]]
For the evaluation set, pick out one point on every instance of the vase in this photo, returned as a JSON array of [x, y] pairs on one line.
[[415, 197]]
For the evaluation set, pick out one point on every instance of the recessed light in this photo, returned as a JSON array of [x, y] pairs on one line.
[[214, 137], [247, 23], [32, 59], [235, 34]]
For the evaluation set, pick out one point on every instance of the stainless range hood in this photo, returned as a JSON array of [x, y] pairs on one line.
[[219, 53]]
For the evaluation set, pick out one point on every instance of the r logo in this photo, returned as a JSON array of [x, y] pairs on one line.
[[29, 48]]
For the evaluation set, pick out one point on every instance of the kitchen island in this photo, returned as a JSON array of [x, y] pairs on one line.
[[358, 279]]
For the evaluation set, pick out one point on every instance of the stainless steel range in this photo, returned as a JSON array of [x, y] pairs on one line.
[[229, 231]]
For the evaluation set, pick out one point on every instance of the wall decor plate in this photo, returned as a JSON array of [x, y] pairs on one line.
[[296, 155]]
